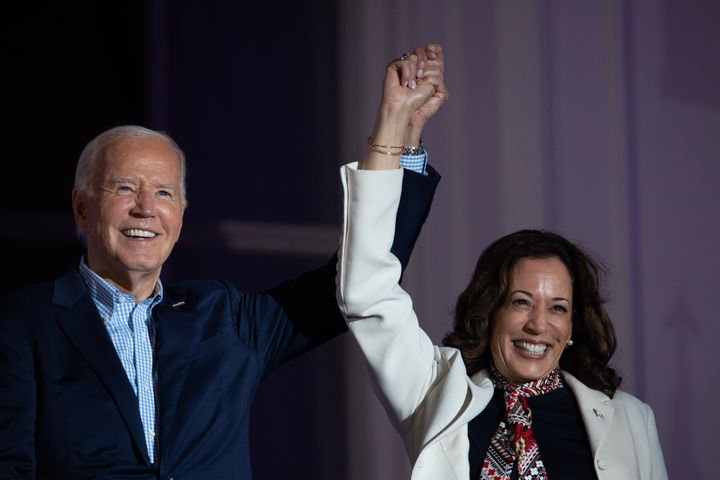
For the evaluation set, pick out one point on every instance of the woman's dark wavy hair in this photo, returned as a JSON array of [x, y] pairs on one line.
[[592, 331]]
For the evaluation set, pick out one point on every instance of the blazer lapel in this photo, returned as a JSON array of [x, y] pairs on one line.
[[480, 391], [596, 410], [84, 328]]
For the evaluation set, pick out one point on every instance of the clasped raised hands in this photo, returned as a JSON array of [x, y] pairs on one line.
[[413, 92]]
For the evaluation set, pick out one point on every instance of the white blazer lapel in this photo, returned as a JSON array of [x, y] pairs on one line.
[[454, 441], [596, 410]]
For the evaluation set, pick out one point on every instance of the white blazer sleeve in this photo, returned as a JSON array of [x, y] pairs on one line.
[[378, 312], [657, 460]]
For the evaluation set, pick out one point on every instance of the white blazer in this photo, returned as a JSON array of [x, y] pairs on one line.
[[424, 387]]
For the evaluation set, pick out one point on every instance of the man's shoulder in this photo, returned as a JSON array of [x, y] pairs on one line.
[[198, 291], [198, 287], [32, 295], [31, 307]]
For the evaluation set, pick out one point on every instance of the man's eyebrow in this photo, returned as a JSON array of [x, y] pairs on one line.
[[116, 180]]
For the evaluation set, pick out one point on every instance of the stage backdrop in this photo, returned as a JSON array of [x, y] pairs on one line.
[[597, 119]]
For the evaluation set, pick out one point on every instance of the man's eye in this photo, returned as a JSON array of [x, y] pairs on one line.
[[124, 188], [164, 193]]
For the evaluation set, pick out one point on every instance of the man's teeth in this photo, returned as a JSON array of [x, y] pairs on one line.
[[136, 232], [533, 348]]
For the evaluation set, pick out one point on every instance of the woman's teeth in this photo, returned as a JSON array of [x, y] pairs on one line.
[[533, 348]]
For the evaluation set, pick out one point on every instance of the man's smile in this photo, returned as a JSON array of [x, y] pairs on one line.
[[138, 233]]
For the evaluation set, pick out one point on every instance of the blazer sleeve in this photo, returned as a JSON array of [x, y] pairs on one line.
[[657, 460], [378, 311], [302, 313]]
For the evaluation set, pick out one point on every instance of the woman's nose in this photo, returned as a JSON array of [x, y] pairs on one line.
[[537, 321]]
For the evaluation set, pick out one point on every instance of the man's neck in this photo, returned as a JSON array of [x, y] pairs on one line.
[[140, 285], [139, 288]]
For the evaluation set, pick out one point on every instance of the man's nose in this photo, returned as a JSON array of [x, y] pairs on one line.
[[144, 204]]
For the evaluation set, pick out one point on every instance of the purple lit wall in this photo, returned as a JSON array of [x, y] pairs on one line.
[[600, 120]]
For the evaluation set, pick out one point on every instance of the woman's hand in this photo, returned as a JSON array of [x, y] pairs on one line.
[[413, 91]]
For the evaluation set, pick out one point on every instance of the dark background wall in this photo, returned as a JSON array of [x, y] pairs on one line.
[[69, 73]]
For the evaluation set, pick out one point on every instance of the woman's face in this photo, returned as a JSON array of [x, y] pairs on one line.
[[531, 329]]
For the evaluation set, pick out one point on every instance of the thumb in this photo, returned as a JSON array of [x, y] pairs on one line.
[[420, 95]]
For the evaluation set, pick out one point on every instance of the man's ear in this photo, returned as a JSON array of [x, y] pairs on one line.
[[79, 204]]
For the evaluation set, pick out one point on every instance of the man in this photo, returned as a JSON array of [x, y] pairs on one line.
[[108, 373]]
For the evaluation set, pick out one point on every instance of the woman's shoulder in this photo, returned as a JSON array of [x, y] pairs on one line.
[[630, 402], [620, 400]]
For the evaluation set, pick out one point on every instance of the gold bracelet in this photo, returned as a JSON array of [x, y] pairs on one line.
[[376, 147]]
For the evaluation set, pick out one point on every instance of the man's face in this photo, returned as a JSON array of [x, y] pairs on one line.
[[133, 214]]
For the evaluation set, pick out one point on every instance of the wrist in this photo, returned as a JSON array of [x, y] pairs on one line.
[[413, 134], [391, 125], [413, 149]]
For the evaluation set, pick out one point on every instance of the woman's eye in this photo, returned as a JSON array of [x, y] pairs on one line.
[[560, 309], [521, 302]]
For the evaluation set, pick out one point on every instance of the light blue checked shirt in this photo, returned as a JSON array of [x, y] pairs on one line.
[[131, 331], [416, 163]]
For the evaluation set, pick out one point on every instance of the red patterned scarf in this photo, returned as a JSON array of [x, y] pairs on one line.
[[514, 442]]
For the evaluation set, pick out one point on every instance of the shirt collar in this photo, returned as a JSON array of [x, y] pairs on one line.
[[104, 294]]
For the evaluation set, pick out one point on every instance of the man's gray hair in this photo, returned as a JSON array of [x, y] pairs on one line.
[[96, 149]]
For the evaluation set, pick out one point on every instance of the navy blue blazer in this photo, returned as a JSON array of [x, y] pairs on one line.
[[67, 409]]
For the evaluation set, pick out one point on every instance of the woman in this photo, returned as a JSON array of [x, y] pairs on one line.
[[523, 388]]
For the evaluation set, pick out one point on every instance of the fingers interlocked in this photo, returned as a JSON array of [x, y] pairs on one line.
[[423, 64]]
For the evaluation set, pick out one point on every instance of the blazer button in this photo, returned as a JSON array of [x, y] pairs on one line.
[[603, 464]]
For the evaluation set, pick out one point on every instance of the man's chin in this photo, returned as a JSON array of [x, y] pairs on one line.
[[135, 268], [143, 269]]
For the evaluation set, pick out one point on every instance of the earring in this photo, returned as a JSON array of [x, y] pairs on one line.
[[570, 342]]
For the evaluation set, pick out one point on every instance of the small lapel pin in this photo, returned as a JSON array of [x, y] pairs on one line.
[[598, 414], [178, 304]]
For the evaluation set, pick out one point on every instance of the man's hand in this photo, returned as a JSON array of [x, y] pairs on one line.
[[431, 70]]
